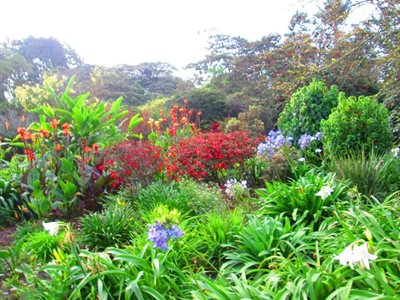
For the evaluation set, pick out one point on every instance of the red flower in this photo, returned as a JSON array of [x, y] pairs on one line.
[[65, 128], [101, 168], [58, 147], [30, 154], [87, 149]]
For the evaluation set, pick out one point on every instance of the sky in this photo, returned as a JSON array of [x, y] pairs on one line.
[[108, 33]]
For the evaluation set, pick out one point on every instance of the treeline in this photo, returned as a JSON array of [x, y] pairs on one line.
[[239, 81]]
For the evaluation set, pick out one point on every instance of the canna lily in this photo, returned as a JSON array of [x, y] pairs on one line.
[[54, 123]]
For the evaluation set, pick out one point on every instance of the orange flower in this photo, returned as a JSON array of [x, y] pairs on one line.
[[54, 123], [185, 101], [44, 132], [65, 128], [58, 147], [87, 149], [95, 147], [21, 131], [199, 113], [184, 121], [22, 118]]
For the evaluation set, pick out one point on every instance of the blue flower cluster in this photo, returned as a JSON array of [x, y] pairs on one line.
[[159, 234], [274, 141], [306, 139]]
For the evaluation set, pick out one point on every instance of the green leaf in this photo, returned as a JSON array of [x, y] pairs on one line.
[[69, 189], [136, 119], [116, 105]]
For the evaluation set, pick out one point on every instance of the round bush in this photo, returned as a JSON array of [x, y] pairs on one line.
[[357, 124], [307, 107]]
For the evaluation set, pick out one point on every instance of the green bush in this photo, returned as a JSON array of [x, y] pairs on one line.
[[307, 107], [301, 198], [188, 196], [112, 227], [357, 124], [40, 245], [376, 175]]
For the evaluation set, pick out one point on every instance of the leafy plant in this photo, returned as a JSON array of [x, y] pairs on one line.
[[61, 149], [40, 245], [309, 196], [357, 124], [368, 173], [188, 196], [307, 107], [111, 228]]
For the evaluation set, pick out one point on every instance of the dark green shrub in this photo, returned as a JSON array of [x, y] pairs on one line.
[[307, 107], [112, 227], [357, 124]]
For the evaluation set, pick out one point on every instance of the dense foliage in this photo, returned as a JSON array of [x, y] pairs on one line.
[[357, 124], [307, 108]]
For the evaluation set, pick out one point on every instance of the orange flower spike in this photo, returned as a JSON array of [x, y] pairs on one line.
[[199, 114], [95, 147], [27, 136], [44, 132], [87, 149], [185, 101], [54, 123], [58, 147], [21, 131], [65, 126], [191, 112], [184, 121]]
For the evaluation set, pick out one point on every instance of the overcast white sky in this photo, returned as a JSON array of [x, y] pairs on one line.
[[113, 32]]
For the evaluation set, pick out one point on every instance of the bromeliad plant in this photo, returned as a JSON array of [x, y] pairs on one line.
[[61, 148]]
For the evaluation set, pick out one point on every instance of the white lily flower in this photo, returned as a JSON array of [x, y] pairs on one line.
[[51, 227], [363, 256], [325, 192], [355, 254]]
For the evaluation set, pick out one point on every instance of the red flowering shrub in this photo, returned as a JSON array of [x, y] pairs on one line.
[[131, 161], [203, 156]]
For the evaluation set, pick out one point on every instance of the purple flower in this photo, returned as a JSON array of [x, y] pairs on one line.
[[305, 141], [159, 234], [274, 141]]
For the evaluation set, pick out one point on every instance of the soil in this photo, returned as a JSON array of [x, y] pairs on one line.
[[6, 236]]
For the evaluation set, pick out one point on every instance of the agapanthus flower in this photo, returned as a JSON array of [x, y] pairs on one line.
[[159, 234], [305, 141], [274, 141], [230, 186]]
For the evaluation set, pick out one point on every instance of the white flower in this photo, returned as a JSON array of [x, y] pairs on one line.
[[362, 255], [395, 151], [51, 227], [318, 150], [302, 159], [324, 192], [356, 254]]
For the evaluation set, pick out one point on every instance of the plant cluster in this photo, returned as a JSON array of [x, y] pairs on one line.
[[206, 156], [131, 162]]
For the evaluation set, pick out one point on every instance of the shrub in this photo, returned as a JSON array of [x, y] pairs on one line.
[[374, 174], [134, 162], [307, 107], [188, 196], [357, 124], [205, 156], [308, 197], [40, 245], [112, 227]]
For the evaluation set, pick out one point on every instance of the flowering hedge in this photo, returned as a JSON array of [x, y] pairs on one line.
[[203, 156], [131, 161]]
